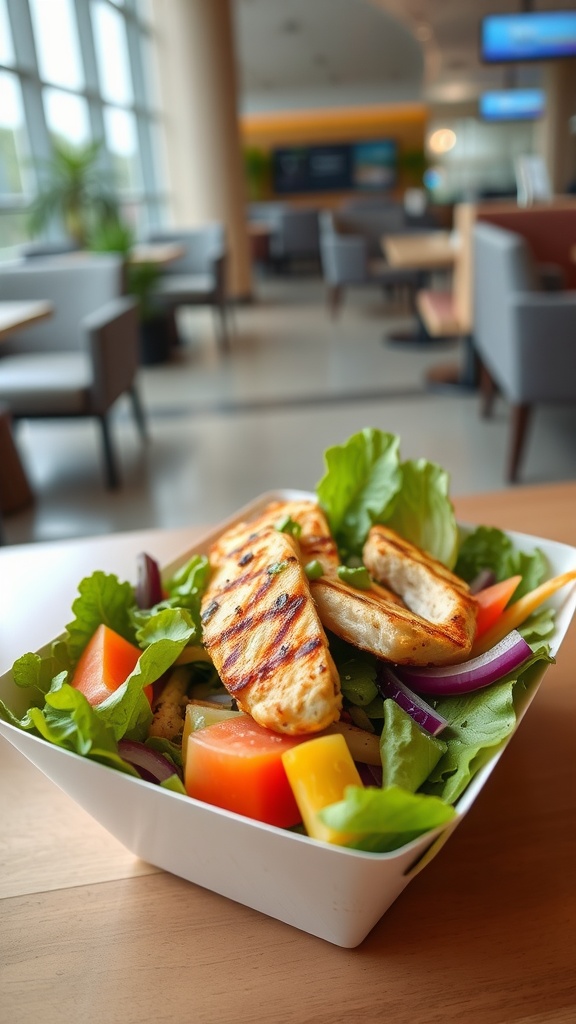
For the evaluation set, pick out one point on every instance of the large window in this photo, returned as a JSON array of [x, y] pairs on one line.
[[75, 71]]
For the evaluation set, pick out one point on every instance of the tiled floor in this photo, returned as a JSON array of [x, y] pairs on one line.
[[225, 428]]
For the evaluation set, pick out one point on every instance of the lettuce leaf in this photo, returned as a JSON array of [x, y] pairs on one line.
[[423, 512], [478, 724], [489, 548], [184, 590], [361, 481], [366, 483], [66, 718], [408, 752], [101, 598], [385, 819]]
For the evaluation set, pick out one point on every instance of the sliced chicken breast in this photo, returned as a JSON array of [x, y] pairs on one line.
[[314, 541], [262, 630]]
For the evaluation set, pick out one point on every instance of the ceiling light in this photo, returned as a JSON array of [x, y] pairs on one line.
[[442, 140]]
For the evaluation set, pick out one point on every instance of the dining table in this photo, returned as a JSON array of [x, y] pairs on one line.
[[159, 254], [485, 934], [425, 253], [15, 490], [17, 315]]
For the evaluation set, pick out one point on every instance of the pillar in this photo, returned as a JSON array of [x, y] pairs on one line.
[[557, 141], [198, 92]]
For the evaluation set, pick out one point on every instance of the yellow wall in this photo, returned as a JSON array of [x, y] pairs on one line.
[[406, 123]]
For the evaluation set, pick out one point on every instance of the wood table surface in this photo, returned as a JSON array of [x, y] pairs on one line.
[[486, 934], [158, 253], [16, 315], [426, 251]]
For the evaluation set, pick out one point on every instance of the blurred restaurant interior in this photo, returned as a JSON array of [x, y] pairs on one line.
[[234, 233]]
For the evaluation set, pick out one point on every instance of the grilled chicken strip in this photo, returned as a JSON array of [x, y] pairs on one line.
[[315, 540], [439, 624], [262, 630]]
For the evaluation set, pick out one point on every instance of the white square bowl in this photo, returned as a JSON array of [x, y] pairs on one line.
[[334, 893]]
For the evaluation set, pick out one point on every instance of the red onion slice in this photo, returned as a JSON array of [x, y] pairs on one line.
[[149, 583], [391, 687], [150, 765], [470, 675]]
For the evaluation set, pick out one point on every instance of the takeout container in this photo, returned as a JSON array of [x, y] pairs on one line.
[[328, 891]]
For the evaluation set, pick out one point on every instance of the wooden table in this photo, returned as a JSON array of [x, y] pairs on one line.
[[15, 491], [423, 252], [159, 253], [15, 316], [426, 251], [485, 934]]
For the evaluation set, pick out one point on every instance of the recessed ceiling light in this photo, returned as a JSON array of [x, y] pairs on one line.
[[442, 140]]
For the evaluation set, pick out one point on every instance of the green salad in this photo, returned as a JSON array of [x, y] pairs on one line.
[[423, 774]]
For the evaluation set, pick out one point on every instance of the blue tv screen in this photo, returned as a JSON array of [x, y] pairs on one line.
[[528, 36], [512, 105], [336, 167]]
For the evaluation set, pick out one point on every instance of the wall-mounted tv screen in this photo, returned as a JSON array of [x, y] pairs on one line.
[[374, 164], [512, 105], [527, 36], [337, 167]]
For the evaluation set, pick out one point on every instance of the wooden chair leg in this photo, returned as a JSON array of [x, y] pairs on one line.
[[138, 411], [112, 475], [222, 331], [488, 391], [335, 292], [520, 419]]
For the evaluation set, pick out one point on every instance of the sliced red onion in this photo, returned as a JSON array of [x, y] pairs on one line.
[[392, 688], [149, 583], [470, 675], [485, 578], [150, 764]]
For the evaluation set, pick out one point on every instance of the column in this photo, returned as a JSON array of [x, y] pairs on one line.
[[557, 141], [198, 91]]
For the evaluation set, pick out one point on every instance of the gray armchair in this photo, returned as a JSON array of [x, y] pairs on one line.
[[293, 232], [524, 338], [198, 278], [81, 360], [346, 261]]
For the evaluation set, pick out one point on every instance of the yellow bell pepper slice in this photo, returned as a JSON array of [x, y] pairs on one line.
[[318, 771]]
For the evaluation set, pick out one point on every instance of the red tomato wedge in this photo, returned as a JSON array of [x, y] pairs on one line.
[[105, 663], [237, 765], [492, 601]]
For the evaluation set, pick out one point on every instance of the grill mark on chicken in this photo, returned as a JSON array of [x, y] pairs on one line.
[[265, 636], [289, 609], [314, 542]]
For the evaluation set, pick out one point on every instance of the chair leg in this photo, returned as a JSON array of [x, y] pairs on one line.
[[520, 419], [138, 411], [222, 332], [112, 475], [487, 391], [335, 294]]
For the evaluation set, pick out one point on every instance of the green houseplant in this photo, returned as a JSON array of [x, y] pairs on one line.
[[140, 280], [73, 188]]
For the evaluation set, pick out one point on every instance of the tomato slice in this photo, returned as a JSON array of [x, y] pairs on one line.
[[492, 601], [237, 765], [105, 663]]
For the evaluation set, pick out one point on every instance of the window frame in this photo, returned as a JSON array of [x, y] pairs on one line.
[[150, 197]]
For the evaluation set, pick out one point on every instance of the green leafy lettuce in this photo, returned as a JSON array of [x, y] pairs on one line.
[[366, 483], [60, 713], [385, 819], [489, 548]]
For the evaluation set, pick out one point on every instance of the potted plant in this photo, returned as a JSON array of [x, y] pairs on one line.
[[74, 188], [140, 280]]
